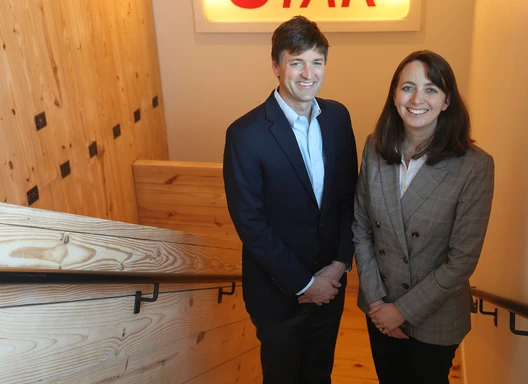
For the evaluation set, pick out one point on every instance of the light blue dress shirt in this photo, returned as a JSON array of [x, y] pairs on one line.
[[310, 141]]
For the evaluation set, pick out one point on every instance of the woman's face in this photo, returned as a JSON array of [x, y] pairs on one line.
[[419, 102]]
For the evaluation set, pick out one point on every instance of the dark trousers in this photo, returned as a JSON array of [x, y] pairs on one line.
[[408, 360], [300, 349]]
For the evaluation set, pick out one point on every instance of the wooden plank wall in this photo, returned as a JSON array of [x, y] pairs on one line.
[[89, 333], [88, 65], [184, 196], [84, 335]]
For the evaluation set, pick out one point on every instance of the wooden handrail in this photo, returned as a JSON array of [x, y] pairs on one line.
[[44, 246], [26, 276], [23, 276], [516, 308], [513, 306]]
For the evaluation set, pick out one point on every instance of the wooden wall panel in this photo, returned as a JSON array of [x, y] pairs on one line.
[[189, 195], [68, 196], [186, 173], [89, 333], [214, 221], [181, 335], [174, 362], [245, 368], [3, 196], [183, 196], [89, 65], [258, 380]]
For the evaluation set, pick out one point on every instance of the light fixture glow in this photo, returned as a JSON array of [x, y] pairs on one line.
[[319, 10]]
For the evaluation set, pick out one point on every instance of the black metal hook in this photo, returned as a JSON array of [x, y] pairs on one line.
[[488, 313], [512, 326], [221, 292], [474, 306], [139, 299]]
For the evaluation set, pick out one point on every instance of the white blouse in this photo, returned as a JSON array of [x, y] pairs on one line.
[[407, 173]]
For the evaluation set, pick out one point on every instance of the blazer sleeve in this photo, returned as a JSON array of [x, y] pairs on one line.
[[346, 197], [371, 286], [465, 244], [244, 188]]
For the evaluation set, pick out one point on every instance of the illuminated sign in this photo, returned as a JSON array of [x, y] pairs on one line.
[[330, 15]]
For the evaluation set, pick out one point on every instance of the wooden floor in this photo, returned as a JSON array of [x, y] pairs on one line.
[[353, 362]]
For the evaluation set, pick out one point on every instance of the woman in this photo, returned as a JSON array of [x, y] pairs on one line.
[[422, 206]]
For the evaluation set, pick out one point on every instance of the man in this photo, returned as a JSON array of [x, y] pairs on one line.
[[290, 168]]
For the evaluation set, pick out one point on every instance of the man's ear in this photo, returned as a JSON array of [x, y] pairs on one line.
[[275, 68]]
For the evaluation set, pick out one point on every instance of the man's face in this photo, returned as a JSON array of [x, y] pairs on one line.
[[300, 77]]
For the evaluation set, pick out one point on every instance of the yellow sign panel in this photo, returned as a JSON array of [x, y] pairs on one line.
[[321, 10], [330, 15]]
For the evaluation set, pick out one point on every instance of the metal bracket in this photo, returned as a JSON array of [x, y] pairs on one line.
[[474, 306], [139, 299], [488, 313], [221, 292], [512, 326]]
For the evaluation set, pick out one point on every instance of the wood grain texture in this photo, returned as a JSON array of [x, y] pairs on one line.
[[41, 249], [213, 221], [56, 340], [88, 65], [175, 362], [73, 333], [183, 196], [177, 172], [174, 194], [257, 380], [242, 369], [38, 218]]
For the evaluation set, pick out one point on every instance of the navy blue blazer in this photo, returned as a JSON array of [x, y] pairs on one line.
[[286, 237]]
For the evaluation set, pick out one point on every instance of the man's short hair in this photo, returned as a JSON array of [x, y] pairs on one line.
[[297, 35]]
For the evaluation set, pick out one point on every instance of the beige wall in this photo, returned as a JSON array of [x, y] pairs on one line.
[[209, 80], [498, 96]]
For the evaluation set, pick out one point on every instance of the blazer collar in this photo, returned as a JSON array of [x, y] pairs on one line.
[[424, 183], [390, 186], [401, 210]]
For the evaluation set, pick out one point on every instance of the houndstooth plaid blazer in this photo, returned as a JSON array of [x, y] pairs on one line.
[[419, 251]]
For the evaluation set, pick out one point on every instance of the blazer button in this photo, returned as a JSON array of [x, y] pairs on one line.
[[382, 252], [377, 224], [406, 260], [415, 234], [406, 286]]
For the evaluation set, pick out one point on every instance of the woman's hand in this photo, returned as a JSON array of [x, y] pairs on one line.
[[387, 319]]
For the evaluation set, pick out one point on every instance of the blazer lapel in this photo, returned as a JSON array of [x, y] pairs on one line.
[[329, 146], [423, 184], [390, 185], [283, 133]]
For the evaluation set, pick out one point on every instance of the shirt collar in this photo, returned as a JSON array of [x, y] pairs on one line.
[[291, 115], [419, 161]]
